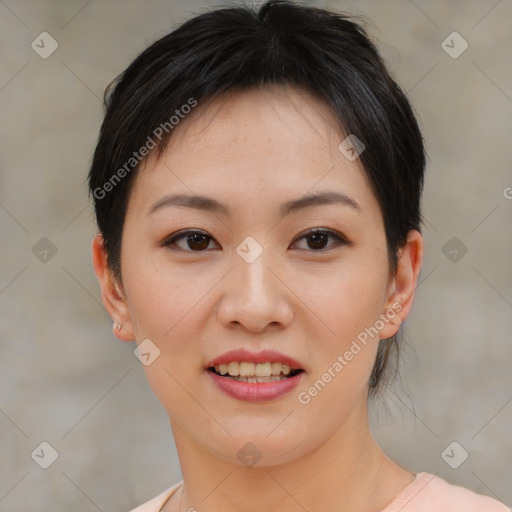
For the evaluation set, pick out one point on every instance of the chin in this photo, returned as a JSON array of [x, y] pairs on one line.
[[259, 449]]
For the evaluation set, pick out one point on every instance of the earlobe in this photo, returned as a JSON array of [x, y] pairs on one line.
[[111, 294], [404, 284]]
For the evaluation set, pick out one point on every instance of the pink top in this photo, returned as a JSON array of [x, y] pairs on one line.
[[426, 493]]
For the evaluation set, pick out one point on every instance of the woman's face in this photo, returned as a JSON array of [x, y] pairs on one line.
[[256, 279]]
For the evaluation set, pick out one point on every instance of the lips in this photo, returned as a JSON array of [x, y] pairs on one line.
[[255, 376], [254, 357]]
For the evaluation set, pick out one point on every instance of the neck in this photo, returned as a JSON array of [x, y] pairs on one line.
[[347, 472]]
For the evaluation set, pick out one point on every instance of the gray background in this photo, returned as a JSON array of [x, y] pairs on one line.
[[66, 380]]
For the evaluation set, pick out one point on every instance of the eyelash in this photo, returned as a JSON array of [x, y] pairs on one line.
[[171, 241]]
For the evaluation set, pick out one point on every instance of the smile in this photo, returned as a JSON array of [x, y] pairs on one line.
[[245, 371], [255, 376]]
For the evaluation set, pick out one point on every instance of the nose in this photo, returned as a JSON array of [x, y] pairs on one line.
[[255, 296]]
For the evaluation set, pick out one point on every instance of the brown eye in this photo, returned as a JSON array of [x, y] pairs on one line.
[[194, 241], [317, 239], [199, 241]]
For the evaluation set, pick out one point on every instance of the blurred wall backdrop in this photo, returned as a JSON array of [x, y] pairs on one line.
[[65, 379]]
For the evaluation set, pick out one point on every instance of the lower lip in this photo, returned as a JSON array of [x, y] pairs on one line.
[[255, 391]]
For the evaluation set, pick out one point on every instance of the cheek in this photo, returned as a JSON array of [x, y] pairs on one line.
[[167, 306], [162, 297], [348, 303], [343, 356], [346, 300]]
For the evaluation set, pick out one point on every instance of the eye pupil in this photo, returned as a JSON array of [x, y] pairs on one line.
[[319, 240], [198, 238]]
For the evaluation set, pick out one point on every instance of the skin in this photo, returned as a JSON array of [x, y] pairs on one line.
[[252, 151]]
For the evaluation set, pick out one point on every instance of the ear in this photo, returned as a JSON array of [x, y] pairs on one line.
[[112, 292], [403, 284]]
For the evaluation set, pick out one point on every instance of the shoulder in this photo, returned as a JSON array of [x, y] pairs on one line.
[[429, 493], [156, 503]]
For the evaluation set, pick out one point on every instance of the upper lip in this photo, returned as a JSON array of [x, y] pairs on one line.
[[263, 356]]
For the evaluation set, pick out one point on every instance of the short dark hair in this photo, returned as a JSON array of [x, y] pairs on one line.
[[326, 54]]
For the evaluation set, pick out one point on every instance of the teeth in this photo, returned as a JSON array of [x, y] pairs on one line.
[[263, 370], [249, 371], [276, 368], [234, 369], [271, 378]]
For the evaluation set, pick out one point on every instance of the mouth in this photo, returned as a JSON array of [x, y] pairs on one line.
[[255, 376], [245, 371]]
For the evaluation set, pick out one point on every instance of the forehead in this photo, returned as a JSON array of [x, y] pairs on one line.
[[258, 117], [275, 142]]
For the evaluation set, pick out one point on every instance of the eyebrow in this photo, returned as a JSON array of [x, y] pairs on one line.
[[205, 203]]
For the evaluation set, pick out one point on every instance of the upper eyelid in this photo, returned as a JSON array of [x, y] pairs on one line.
[[321, 230]]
